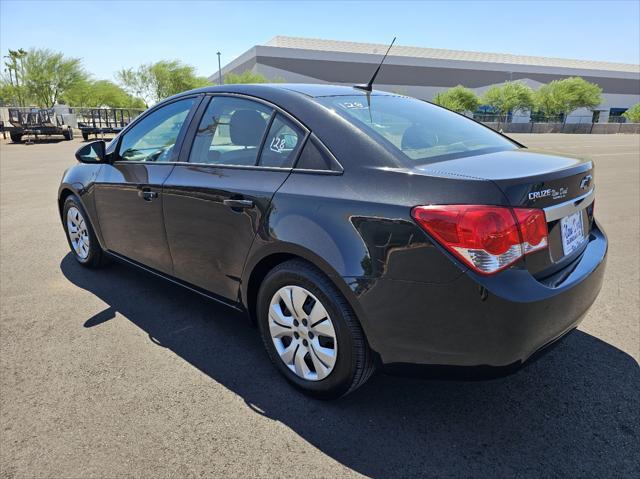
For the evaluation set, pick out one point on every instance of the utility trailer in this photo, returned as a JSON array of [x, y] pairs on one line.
[[101, 121], [36, 122]]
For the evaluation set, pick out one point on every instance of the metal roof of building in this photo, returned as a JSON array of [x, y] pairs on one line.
[[442, 54]]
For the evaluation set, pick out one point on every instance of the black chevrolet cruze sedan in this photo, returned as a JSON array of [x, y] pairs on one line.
[[355, 228]]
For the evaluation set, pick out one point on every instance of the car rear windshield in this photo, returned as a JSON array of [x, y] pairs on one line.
[[422, 132]]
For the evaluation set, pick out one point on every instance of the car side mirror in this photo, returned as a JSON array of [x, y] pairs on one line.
[[93, 152]]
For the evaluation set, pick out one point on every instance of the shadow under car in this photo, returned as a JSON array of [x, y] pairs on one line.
[[573, 412]]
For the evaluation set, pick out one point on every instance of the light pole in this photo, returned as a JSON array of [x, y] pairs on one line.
[[219, 70]]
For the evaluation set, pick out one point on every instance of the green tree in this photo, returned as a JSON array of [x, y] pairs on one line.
[[13, 83], [561, 97], [80, 95], [49, 75], [545, 101], [107, 93], [7, 94], [136, 82], [458, 98], [509, 98], [248, 76], [155, 81], [633, 113], [101, 93]]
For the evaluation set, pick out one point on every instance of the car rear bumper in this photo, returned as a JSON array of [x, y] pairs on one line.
[[496, 320]]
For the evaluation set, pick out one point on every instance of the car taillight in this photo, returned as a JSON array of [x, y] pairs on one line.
[[487, 238]]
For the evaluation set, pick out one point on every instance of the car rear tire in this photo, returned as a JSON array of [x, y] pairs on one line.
[[311, 333], [85, 136], [80, 235], [68, 134], [16, 137]]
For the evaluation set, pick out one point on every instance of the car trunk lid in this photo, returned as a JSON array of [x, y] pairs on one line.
[[561, 186]]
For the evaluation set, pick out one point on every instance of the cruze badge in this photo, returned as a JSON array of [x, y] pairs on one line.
[[549, 192]]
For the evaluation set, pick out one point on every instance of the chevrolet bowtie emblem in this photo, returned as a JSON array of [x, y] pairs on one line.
[[586, 181]]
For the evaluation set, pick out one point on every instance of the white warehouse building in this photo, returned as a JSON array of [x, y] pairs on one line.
[[423, 72]]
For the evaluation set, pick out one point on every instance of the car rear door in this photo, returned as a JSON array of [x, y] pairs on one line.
[[128, 192], [218, 196]]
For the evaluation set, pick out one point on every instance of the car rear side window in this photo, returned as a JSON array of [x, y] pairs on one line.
[[230, 132], [154, 136], [282, 143]]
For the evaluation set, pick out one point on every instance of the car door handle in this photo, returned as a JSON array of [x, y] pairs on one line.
[[238, 204], [147, 195]]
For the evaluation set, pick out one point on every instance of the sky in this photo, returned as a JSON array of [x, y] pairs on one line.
[[110, 35]]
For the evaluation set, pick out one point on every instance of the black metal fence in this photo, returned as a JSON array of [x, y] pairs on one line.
[[558, 124]]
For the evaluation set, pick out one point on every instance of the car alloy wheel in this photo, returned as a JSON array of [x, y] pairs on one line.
[[302, 333], [78, 232]]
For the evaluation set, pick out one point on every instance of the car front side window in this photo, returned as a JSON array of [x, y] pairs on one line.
[[154, 137]]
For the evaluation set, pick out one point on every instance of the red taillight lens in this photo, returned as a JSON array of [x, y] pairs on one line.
[[487, 238], [533, 228]]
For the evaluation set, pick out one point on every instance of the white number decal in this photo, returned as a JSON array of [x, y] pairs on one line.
[[353, 105], [277, 145]]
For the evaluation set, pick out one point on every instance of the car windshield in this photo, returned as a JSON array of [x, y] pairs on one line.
[[422, 132]]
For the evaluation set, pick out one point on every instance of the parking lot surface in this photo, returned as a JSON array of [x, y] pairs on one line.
[[114, 373]]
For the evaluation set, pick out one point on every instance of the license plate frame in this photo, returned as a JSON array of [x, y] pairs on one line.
[[572, 232]]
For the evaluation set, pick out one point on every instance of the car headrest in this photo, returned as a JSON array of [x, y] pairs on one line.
[[246, 127], [416, 137]]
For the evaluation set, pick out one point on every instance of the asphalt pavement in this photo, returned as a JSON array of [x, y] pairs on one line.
[[114, 373]]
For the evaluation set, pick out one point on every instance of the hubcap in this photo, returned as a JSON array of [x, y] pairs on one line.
[[78, 233], [302, 332]]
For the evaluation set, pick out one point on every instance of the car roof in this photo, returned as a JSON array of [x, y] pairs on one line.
[[307, 89], [298, 100], [316, 90]]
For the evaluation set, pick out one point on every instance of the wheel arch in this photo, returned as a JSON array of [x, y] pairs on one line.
[[257, 269], [65, 192], [77, 190], [68, 189]]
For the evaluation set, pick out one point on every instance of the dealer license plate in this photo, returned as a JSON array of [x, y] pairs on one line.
[[572, 232]]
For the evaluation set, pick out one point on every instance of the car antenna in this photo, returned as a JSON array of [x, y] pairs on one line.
[[369, 86]]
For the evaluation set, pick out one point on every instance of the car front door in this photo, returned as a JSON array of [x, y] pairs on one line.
[[218, 197], [128, 193]]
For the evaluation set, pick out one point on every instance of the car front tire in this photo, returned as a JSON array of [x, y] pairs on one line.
[[80, 234], [311, 333]]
